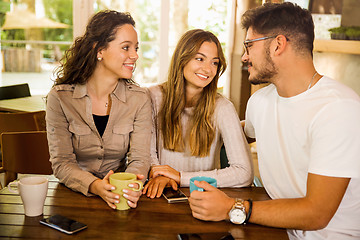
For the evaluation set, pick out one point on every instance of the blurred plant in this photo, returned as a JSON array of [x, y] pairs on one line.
[[353, 33], [59, 11], [214, 20], [147, 22], [17, 34], [337, 30], [4, 7], [338, 33]]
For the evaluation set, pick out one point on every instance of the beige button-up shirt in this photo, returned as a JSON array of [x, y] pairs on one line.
[[79, 155]]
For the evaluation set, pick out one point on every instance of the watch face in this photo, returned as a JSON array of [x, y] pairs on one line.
[[237, 216]]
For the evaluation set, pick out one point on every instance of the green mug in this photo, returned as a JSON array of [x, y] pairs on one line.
[[120, 181]]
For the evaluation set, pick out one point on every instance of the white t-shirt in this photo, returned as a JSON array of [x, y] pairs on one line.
[[317, 131]]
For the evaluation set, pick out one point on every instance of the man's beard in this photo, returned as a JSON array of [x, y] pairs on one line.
[[266, 73]]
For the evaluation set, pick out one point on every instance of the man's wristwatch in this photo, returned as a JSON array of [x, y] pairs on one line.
[[237, 213]]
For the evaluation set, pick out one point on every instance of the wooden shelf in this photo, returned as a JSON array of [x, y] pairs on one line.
[[337, 46]]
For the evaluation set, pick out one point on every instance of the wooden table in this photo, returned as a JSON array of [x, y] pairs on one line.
[[25, 104], [152, 219]]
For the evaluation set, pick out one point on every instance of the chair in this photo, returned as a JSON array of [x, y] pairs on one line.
[[26, 153], [15, 91], [22, 121], [224, 162]]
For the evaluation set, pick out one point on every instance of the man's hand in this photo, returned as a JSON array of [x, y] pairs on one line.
[[210, 205]]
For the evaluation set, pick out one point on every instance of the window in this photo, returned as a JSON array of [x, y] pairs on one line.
[[161, 23], [32, 48]]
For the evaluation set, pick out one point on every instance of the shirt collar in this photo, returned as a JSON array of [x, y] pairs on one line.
[[119, 91], [80, 90]]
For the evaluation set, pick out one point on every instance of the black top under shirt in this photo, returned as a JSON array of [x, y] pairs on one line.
[[100, 123]]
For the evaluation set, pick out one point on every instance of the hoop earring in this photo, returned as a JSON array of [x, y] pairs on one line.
[[99, 59]]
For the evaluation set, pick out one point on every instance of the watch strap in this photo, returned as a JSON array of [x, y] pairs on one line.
[[239, 204], [249, 211]]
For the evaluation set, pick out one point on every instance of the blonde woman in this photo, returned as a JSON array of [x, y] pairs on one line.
[[192, 121]]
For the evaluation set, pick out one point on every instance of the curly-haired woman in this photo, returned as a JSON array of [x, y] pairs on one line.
[[98, 120]]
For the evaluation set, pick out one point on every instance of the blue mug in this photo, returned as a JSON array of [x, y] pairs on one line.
[[211, 181]]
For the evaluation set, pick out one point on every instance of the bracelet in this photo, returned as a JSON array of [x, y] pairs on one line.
[[249, 212]]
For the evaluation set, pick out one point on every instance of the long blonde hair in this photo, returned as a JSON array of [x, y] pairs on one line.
[[201, 125]]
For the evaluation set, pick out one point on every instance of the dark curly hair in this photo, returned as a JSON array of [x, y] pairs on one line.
[[283, 18], [79, 61]]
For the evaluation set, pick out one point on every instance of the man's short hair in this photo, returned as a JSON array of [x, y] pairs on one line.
[[282, 18]]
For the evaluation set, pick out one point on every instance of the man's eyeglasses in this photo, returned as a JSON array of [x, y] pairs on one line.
[[246, 42]]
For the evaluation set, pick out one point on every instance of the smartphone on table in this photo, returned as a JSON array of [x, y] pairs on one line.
[[63, 224], [205, 236], [173, 196]]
